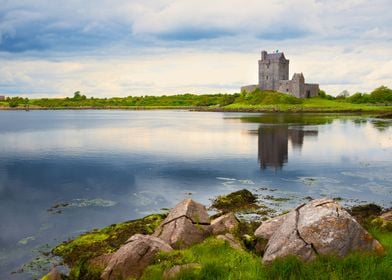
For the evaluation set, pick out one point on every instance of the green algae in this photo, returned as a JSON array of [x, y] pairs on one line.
[[106, 240], [26, 240], [236, 201]]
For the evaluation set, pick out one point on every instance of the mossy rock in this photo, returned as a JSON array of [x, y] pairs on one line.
[[364, 214], [382, 224], [107, 240], [235, 202]]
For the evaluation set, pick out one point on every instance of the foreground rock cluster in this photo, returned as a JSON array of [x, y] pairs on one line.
[[321, 226]]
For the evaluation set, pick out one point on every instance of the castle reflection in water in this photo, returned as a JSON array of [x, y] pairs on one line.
[[273, 143]]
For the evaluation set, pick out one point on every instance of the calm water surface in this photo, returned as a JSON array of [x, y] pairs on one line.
[[65, 172]]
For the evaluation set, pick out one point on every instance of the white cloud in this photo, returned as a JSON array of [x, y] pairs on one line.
[[118, 48]]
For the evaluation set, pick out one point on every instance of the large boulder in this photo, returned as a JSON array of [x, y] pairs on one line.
[[224, 223], [186, 224], [133, 257], [321, 226], [268, 228]]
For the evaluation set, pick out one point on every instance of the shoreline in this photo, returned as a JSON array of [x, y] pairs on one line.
[[380, 111], [87, 253]]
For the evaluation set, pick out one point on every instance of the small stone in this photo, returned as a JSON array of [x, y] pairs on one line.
[[173, 272], [234, 243], [54, 274], [225, 223], [387, 216], [133, 257]]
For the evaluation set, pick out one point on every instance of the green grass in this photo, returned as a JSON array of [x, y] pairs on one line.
[[311, 105], [219, 261], [255, 101]]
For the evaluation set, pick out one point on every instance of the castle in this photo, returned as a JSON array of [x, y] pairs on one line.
[[274, 75]]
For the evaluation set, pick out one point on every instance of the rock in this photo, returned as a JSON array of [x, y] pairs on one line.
[[268, 228], [173, 272], [100, 262], [186, 224], [321, 226], [54, 274], [235, 202], [225, 223], [387, 216], [133, 257], [384, 221], [234, 243]]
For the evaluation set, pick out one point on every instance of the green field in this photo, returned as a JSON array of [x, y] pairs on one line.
[[379, 100]]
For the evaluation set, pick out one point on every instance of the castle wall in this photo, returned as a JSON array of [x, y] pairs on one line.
[[285, 86], [249, 88], [311, 90], [298, 85]]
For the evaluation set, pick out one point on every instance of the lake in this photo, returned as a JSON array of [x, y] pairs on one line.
[[65, 172]]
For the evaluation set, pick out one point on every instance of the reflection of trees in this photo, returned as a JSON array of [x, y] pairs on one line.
[[273, 143]]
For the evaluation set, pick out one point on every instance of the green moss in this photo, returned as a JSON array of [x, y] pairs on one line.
[[364, 214], [235, 202], [381, 224], [106, 240], [46, 277]]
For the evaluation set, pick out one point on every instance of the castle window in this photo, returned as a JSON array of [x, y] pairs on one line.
[[267, 66], [266, 77], [287, 90]]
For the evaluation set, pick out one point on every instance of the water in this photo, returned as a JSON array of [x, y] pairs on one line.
[[65, 172]]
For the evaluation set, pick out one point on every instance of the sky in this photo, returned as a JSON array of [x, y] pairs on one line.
[[105, 48]]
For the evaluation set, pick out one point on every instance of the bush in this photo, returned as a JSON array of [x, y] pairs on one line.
[[381, 94]]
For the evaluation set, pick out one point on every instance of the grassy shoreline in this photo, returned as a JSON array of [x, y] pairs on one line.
[[279, 108], [216, 259]]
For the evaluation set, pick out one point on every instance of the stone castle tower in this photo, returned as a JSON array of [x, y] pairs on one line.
[[274, 75], [273, 67]]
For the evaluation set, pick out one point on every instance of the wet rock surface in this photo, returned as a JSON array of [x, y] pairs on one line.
[[188, 223], [321, 226], [133, 257]]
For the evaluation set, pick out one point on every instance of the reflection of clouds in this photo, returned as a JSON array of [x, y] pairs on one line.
[[381, 174], [379, 189], [362, 143], [168, 140]]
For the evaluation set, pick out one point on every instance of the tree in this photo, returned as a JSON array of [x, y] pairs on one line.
[[381, 94], [78, 96]]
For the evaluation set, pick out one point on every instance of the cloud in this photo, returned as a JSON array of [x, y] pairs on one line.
[[169, 46]]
